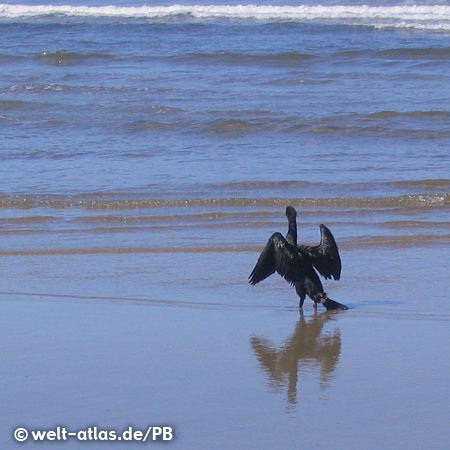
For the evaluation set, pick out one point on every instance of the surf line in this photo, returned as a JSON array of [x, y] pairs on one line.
[[145, 301]]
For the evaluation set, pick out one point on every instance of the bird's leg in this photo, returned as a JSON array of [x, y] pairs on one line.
[[315, 305], [299, 288]]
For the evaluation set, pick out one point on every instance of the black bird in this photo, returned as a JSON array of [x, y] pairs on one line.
[[296, 263]]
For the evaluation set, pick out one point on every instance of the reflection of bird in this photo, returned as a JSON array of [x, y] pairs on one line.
[[296, 263], [306, 348]]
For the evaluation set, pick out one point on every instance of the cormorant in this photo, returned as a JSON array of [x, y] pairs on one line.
[[296, 263]]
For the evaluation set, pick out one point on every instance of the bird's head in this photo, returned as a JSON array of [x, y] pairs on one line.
[[291, 213]]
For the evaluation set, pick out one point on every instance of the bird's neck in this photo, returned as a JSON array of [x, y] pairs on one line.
[[291, 235]]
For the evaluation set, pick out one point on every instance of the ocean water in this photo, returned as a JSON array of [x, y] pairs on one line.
[[128, 116], [147, 153]]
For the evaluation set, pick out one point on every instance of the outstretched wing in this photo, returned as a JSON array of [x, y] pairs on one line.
[[325, 256], [277, 256]]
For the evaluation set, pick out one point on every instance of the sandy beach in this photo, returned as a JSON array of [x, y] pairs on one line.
[[150, 151], [223, 363]]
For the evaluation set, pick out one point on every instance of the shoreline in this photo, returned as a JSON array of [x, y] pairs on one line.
[[218, 377]]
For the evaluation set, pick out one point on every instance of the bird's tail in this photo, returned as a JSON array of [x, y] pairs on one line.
[[331, 304]]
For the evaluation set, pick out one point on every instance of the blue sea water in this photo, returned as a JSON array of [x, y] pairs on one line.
[[238, 108], [128, 113]]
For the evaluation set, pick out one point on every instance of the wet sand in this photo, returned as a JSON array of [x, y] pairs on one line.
[[139, 184], [132, 340]]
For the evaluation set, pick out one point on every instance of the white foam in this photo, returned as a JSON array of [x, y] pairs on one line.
[[420, 17]]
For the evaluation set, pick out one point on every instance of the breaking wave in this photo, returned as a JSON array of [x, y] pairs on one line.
[[407, 16]]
